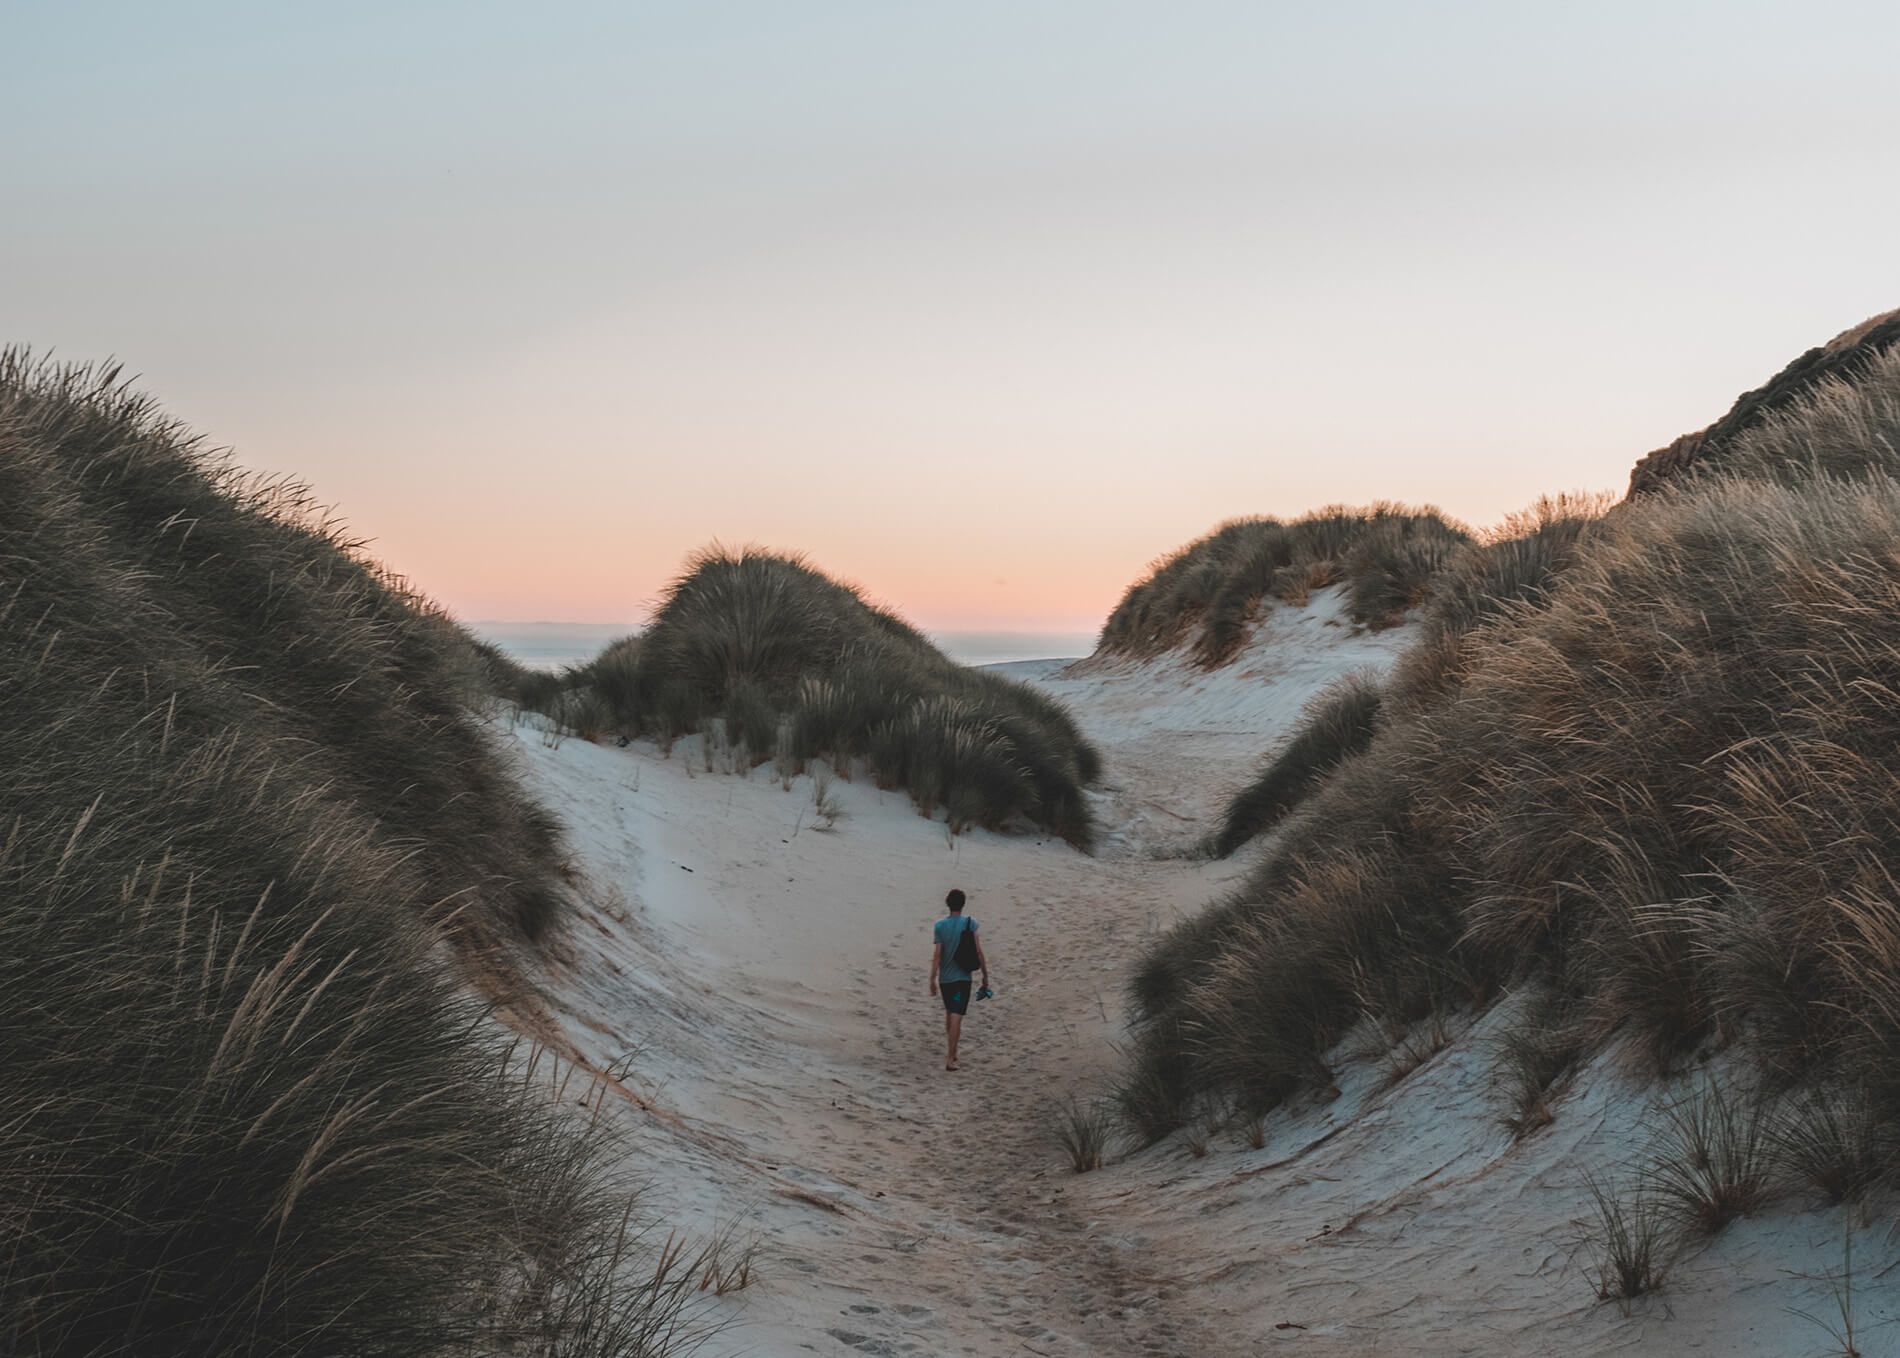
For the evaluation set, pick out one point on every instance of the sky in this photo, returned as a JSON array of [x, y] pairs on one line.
[[983, 306]]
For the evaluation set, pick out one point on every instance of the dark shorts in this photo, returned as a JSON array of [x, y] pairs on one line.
[[956, 996]]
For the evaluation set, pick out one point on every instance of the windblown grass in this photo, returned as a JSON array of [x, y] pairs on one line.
[[1209, 592], [248, 831], [1643, 759], [799, 667]]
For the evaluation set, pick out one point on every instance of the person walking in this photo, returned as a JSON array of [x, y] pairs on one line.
[[955, 951]]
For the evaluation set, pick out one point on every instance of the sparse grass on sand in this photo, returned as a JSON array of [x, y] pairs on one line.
[[251, 842], [793, 666], [1642, 759]]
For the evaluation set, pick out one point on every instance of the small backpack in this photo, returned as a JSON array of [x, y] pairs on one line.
[[966, 955]]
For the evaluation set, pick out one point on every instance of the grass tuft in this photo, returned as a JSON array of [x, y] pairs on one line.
[[1713, 1165], [1833, 1142], [1631, 1243], [1083, 1131]]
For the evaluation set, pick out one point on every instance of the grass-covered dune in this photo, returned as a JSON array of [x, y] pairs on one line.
[[1639, 767], [788, 664], [1207, 593], [250, 837], [1501, 568]]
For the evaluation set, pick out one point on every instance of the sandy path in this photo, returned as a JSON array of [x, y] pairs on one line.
[[975, 1145], [773, 982]]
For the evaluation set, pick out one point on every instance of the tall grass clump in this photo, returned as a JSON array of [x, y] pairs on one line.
[[796, 663], [252, 846], [1640, 758], [1210, 591]]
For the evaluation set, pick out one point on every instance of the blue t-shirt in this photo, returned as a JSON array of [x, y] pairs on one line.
[[949, 930]]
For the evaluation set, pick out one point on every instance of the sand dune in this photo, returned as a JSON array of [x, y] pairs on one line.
[[758, 984]]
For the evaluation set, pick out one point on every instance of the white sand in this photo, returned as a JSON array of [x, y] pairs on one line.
[[768, 979]]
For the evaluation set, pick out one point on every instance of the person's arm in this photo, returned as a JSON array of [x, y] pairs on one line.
[[936, 955], [982, 958]]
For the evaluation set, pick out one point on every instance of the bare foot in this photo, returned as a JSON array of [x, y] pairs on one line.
[[949, 1065]]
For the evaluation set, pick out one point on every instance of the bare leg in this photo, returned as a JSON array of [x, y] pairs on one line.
[[953, 1028]]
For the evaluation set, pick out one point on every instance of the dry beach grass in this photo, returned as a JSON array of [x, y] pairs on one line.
[[1640, 760], [253, 847]]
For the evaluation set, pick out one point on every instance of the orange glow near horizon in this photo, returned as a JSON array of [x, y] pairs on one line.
[[982, 307]]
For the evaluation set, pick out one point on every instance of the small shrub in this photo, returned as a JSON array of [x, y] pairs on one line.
[[1416, 1047], [1391, 566], [613, 677], [583, 712], [1842, 1328], [824, 802], [751, 721], [1253, 1131]]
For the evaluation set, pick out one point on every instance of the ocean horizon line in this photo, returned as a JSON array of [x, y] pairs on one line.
[[550, 645]]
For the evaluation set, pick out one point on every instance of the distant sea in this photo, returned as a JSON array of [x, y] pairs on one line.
[[551, 645]]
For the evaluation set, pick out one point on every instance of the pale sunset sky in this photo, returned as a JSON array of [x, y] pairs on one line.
[[981, 305]]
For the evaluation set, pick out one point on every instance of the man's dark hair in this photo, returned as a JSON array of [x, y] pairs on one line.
[[954, 900]]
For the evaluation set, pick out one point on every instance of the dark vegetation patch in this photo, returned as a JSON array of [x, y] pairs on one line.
[[249, 836], [789, 665], [1336, 724], [1209, 593]]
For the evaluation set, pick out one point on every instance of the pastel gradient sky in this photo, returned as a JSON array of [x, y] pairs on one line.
[[983, 305]]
